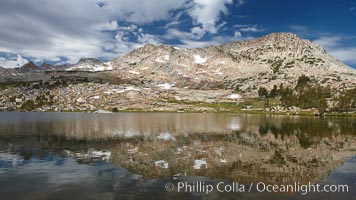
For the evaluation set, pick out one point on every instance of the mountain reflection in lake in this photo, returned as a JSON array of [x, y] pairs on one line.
[[133, 155]]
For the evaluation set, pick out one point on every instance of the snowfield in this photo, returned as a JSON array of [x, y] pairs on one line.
[[199, 60]]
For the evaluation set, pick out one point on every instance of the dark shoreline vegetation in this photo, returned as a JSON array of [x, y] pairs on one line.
[[308, 97]]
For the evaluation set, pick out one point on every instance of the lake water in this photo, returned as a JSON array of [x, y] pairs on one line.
[[174, 156]]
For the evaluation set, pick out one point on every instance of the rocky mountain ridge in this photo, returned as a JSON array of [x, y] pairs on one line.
[[90, 64], [84, 65], [274, 59], [270, 60], [5, 71]]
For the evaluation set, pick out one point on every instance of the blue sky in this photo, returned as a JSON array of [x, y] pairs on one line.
[[65, 31]]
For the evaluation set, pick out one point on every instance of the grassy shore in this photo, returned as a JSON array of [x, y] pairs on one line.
[[238, 108]]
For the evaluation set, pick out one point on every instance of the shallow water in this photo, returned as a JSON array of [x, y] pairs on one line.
[[135, 155]]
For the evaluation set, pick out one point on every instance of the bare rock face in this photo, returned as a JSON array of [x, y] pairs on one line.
[[89, 64], [4, 71], [285, 52], [270, 60], [28, 68]]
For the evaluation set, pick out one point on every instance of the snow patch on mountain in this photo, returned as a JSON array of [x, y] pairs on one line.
[[198, 164], [165, 86], [234, 96], [199, 60], [134, 72], [159, 60]]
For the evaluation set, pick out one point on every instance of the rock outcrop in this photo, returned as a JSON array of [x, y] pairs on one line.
[[270, 60], [4, 71], [89, 64]]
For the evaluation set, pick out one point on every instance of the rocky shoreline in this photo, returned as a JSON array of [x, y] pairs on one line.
[[103, 97]]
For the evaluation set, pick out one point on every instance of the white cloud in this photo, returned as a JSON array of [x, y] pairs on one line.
[[190, 40], [148, 38], [13, 62], [334, 46], [248, 28], [240, 26], [173, 33], [253, 29], [74, 29], [198, 32], [346, 55], [174, 21], [109, 26], [237, 34], [131, 28], [51, 30], [328, 41], [206, 13], [121, 36], [139, 11]]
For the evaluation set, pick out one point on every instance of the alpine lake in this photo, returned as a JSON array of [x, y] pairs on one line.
[[175, 156]]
